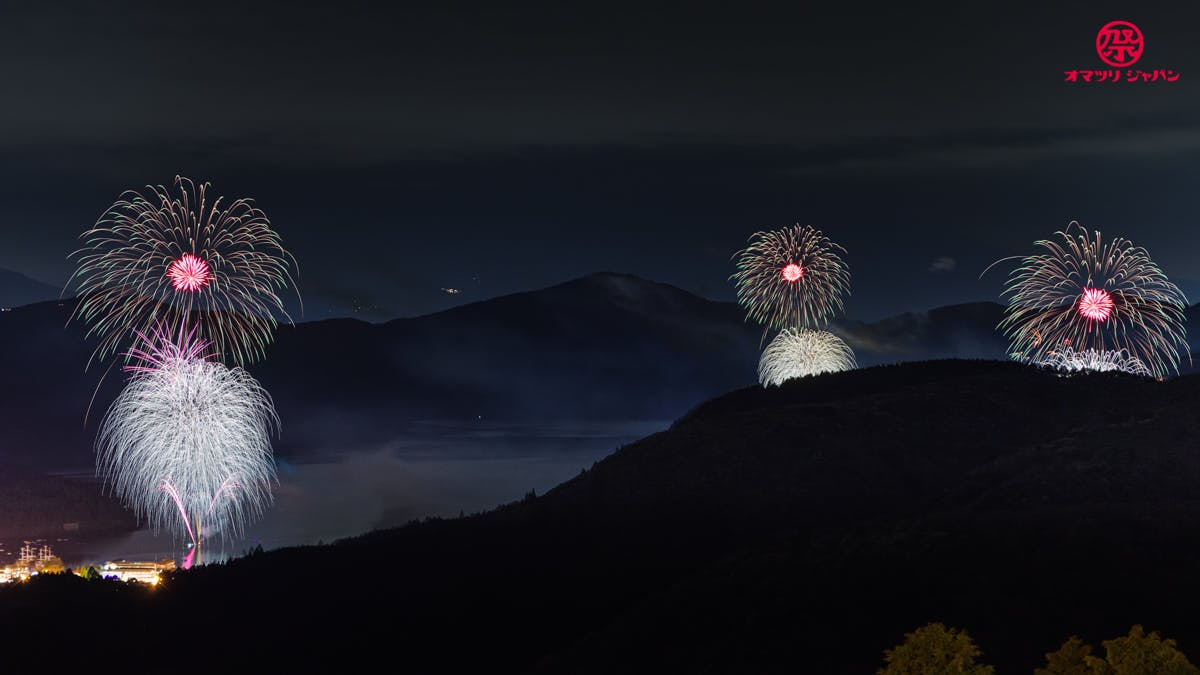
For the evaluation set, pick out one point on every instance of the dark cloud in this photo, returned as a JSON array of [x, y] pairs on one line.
[[404, 149]]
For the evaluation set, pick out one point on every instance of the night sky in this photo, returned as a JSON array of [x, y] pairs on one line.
[[403, 148]]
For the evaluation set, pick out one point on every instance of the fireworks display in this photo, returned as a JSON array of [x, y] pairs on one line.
[[791, 278], [178, 258], [799, 353], [187, 443], [1091, 360], [1091, 296]]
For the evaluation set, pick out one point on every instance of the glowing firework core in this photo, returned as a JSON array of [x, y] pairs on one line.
[[189, 273], [793, 273], [1095, 304]]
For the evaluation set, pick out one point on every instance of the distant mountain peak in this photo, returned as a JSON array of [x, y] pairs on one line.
[[17, 290], [622, 282]]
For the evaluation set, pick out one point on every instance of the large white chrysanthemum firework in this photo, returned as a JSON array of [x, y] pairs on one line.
[[800, 352], [187, 443], [1093, 360]]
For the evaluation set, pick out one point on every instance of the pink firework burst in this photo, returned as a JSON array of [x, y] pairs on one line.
[[189, 273], [158, 350], [1095, 304], [793, 273]]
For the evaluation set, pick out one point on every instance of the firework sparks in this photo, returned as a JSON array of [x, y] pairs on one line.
[[158, 350], [1093, 296], [1092, 360], [187, 442], [183, 259], [793, 277], [799, 353]]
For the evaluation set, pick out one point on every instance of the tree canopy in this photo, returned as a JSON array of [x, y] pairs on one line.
[[935, 650]]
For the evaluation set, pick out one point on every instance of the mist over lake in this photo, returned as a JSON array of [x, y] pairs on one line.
[[436, 469]]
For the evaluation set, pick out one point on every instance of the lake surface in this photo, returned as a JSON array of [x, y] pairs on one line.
[[432, 469]]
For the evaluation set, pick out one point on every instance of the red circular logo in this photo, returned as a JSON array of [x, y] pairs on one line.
[[1119, 44]]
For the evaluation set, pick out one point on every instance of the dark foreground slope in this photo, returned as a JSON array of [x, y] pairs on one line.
[[800, 529]]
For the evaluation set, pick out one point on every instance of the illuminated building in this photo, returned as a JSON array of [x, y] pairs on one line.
[[145, 572]]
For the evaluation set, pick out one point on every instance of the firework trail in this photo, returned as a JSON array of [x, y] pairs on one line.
[[1071, 361], [187, 442], [182, 259], [793, 277], [1087, 295], [799, 353]]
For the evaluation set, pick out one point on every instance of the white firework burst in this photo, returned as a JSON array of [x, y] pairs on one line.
[[187, 443], [1095, 360], [801, 352]]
